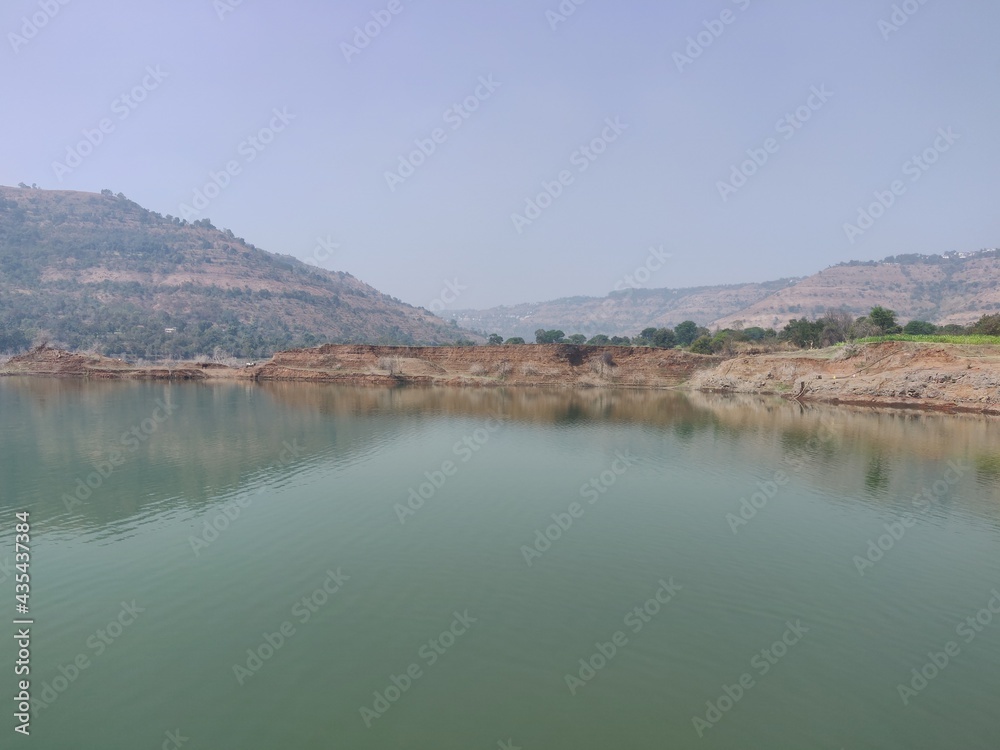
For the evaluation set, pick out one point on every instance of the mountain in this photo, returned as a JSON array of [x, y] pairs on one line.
[[951, 288], [623, 313], [99, 272], [957, 287]]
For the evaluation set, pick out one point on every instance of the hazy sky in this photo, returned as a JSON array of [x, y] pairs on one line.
[[203, 78]]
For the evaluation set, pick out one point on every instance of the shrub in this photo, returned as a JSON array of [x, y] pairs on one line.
[[702, 345], [919, 328]]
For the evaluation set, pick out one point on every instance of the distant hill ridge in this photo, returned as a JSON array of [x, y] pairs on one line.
[[955, 287], [98, 272]]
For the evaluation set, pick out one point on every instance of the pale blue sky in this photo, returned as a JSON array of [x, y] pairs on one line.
[[324, 174]]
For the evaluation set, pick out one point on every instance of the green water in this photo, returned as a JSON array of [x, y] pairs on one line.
[[434, 631]]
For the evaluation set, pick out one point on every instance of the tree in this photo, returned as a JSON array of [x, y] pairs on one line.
[[754, 333], [664, 338], [495, 339], [836, 327], [686, 332], [802, 332], [620, 341], [515, 340], [645, 337], [863, 327], [549, 337], [577, 338], [988, 325], [13, 340], [599, 340], [884, 319], [919, 328]]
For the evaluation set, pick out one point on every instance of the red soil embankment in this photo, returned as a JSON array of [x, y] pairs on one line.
[[536, 364]]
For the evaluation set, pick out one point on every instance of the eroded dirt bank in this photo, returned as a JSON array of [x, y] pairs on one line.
[[926, 376], [557, 365], [902, 374]]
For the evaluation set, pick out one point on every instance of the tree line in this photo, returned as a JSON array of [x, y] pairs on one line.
[[836, 327]]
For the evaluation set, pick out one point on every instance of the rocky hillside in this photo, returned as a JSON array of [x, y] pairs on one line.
[[941, 289], [98, 272], [622, 313], [954, 288]]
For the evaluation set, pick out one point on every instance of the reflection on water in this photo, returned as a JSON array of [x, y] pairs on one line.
[[224, 510], [228, 437]]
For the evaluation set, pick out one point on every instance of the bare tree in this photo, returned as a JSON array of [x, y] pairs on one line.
[[390, 364]]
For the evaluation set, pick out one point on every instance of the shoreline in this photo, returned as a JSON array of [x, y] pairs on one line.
[[899, 375]]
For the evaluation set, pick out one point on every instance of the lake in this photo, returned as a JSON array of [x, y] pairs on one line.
[[311, 566]]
